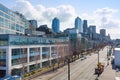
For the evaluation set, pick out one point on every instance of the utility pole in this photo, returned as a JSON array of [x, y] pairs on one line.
[[98, 62], [68, 69], [98, 56]]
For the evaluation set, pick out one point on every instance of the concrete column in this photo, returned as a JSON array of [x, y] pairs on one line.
[[8, 60], [50, 55]]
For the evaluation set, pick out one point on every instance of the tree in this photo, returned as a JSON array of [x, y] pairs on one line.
[[36, 56], [23, 59], [48, 56]]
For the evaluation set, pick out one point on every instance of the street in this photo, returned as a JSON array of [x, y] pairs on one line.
[[79, 70]]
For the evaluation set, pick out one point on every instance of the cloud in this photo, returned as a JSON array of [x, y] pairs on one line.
[[27, 9], [45, 15], [102, 18], [106, 16], [106, 12]]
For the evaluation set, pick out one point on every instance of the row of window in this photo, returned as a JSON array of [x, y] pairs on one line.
[[9, 14], [26, 40], [11, 20], [6, 10], [32, 67], [16, 19], [5, 31], [18, 54], [11, 25]]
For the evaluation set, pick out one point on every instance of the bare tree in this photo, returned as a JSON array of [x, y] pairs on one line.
[[36, 57], [48, 56], [23, 59]]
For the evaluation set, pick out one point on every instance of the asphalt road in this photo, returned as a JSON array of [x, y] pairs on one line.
[[79, 70]]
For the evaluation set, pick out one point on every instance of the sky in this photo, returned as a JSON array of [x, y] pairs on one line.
[[105, 14]]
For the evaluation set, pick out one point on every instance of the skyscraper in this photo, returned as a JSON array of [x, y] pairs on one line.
[[103, 32], [55, 24], [92, 32], [85, 26], [92, 29], [78, 24]]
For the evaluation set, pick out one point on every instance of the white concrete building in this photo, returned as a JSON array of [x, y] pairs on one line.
[[22, 54]]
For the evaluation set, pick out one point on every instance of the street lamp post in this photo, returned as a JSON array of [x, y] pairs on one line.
[[68, 69], [98, 56], [98, 62]]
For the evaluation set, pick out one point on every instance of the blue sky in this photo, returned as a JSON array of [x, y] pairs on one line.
[[80, 5], [102, 13]]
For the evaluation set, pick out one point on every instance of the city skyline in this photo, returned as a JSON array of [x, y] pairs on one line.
[[28, 51], [101, 15]]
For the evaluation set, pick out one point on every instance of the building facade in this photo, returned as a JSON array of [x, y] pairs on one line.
[[78, 24], [92, 32], [22, 54], [56, 25], [103, 32], [92, 28], [11, 22], [85, 27]]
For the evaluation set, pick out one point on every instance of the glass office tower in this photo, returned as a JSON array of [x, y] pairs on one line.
[[78, 24], [55, 24]]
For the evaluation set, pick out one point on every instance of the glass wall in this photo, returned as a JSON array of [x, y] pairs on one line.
[[34, 54], [19, 40], [3, 57], [45, 52], [19, 56], [54, 51], [26, 40]]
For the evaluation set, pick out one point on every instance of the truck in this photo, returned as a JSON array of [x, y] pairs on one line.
[[117, 57]]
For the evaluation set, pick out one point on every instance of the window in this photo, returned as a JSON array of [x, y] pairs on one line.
[[19, 56], [45, 52], [34, 54], [2, 57], [12, 25]]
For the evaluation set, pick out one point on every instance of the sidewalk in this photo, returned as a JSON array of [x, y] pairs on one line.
[[108, 73]]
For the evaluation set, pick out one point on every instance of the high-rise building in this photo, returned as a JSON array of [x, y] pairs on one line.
[[92, 29], [33, 23], [85, 26], [103, 32], [11, 22], [55, 24], [78, 24], [92, 32]]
